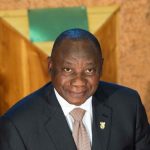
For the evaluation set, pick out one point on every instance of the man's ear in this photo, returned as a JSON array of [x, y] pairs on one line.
[[49, 63], [102, 62]]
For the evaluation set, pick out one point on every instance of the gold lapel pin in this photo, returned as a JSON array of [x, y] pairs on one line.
[[102, 125]]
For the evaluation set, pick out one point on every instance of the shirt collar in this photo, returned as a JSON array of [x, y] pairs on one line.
[[67, 107]]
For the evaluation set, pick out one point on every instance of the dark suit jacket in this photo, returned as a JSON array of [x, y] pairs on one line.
[[38, 123]]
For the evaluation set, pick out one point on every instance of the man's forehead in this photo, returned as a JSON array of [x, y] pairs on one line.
[[71, 61], [76, 46]]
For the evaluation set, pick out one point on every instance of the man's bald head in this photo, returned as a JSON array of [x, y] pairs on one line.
[[77, 34]]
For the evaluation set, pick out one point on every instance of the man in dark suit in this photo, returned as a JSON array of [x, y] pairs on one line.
[[114, 119]]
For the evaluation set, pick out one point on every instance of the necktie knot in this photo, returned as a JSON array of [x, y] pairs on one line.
[[77, 114]]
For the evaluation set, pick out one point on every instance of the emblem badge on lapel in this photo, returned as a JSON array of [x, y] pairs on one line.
[[102, 125]]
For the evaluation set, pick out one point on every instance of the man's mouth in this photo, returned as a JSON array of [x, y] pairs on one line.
[[77, 93]]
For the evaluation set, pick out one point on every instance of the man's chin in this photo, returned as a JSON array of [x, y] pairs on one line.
[[76, 100]]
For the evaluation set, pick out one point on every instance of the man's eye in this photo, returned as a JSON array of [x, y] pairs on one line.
[[67, 70], [90, 71]]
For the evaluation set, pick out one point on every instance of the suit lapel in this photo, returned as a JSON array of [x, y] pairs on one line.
[[59, 132], [57, 126], [101, 129]]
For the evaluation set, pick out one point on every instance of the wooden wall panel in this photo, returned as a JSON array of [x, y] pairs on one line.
[[49, 3], [107, 35]]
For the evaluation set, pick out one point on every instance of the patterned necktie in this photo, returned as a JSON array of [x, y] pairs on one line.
[[79, 133]]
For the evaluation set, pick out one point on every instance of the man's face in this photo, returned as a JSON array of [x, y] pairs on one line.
[[75, 70]]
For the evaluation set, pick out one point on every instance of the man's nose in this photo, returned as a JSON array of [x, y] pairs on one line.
[[79, 81]]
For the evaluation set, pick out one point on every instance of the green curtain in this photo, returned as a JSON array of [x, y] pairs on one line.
[[47, 24]]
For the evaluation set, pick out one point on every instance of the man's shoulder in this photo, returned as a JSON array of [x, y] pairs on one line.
[[114, 93], [122, 100], [31, 104], [111, 88], [28, 115]]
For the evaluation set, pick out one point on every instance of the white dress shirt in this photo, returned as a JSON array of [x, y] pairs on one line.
[[88, 117]]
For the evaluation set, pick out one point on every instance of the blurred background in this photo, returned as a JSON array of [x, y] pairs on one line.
[[122, 27]]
